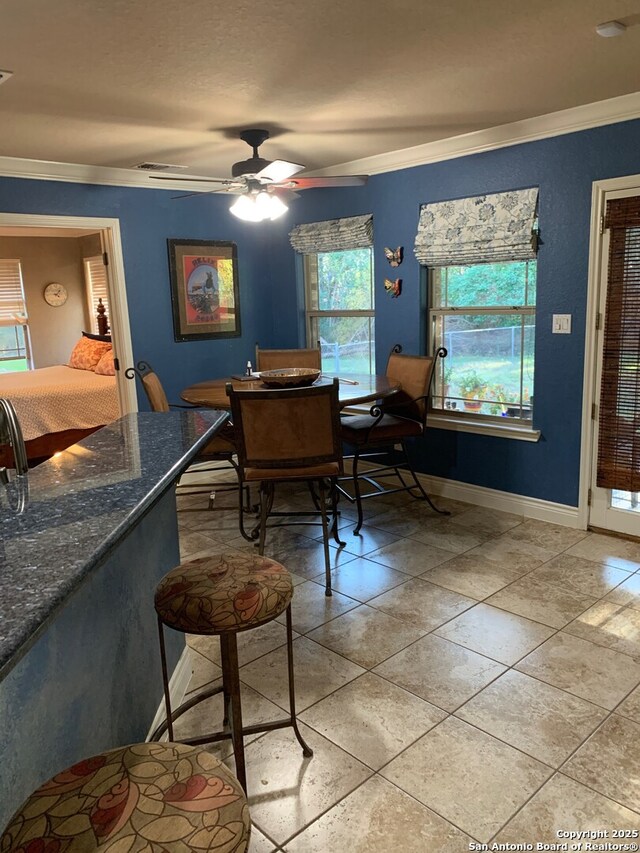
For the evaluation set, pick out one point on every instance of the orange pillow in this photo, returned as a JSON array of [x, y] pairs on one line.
[[106, 367], [87, 353]]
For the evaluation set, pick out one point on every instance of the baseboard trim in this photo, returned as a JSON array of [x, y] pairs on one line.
[[542, 510], [178, 686]]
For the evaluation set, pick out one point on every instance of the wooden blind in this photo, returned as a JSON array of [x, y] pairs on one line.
[[13, 310], [96, 273], [619, 422]]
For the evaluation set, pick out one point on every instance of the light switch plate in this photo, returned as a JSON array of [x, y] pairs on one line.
[[561, 324]]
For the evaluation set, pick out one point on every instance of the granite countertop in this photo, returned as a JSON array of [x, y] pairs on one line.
[[72, 511]]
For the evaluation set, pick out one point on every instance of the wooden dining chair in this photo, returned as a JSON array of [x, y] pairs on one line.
[[389, 423], [290, 435], [272, 359], [221, 449]]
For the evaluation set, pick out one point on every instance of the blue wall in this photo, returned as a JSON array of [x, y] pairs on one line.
[[563, 168]]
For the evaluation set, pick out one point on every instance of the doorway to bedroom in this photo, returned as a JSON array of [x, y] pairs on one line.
[[57, 274]]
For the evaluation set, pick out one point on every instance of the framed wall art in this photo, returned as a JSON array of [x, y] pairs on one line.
[[204, 289]]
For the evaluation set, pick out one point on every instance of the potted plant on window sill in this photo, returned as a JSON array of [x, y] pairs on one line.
[[472, 386]]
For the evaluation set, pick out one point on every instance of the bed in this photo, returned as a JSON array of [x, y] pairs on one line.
[[58, 406]]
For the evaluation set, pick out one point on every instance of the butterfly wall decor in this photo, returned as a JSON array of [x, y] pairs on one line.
[[394, 257], [393, 287]]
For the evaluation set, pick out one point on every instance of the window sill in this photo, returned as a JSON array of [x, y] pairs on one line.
[[521, 432]]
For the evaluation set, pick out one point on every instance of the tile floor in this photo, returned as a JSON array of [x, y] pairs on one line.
[[472, 679]]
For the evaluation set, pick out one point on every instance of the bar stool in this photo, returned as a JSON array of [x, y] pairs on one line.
[[163, 796], [222, 596]]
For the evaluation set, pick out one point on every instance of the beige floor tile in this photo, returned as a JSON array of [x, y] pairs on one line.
[[368, 539], [441, 672], [395, 521], [379, 817], [446, 535], [594, 673], [628, 593], [542, 721], [631, 706], [203, 671], [218, 525], [410, 556], [363, 579], [251, 644], [609, 761], [541, 602], [473, 779], [610, 550], [287, 791], [579, 575], [207, 717], [306, 557], [421, 603], [318, 672], [513, 553], [610, 625], [259, 843], [197, 543], [487, 522], [495, 633], [562, 804], [553, 537], [310, 607], [365, 636], [472, 576], [372, 719]]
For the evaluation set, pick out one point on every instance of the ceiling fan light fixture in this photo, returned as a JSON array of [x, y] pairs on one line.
[[256, 207]]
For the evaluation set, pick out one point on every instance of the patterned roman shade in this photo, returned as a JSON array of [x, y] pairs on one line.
[[333, 235], [478, 230]]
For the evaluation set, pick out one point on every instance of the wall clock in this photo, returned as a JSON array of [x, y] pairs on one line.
[[55, 294]]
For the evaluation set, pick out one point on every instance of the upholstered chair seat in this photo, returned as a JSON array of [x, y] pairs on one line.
[[357, 429], [159, 797]]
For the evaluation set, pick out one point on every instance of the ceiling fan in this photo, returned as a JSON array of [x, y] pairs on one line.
[[262, 185]]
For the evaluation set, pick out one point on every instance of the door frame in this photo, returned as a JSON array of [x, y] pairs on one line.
[[600, 190], [109, 230]]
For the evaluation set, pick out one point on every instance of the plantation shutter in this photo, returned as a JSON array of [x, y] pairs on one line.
[[13, 309], [333, 235], [478, 230], [619, 421], [96, 274]]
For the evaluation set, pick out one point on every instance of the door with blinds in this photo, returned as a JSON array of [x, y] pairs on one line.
[[615, 480]]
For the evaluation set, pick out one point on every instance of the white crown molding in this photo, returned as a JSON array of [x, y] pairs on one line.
[[612, 111]]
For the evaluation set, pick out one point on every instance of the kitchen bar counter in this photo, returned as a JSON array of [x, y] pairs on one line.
[[79, 505], [80, 557]]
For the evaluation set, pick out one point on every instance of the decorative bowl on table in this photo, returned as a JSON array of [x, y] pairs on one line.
[[289, 377]]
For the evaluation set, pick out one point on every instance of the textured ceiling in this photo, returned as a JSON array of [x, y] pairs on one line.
[[116, 82]]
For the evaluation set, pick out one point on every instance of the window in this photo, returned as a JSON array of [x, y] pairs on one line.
[[14, 332], [340, 309], [95, 274], [484, 315], [338, 278]]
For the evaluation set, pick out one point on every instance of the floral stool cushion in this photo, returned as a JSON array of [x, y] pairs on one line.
[[226, 593], [149, 797]]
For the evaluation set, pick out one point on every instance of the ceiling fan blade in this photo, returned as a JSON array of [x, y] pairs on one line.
[[332, 181], [278, 170], [195, 180]]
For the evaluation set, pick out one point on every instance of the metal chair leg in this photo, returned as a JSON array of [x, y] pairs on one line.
[[231, 676], [419, 486], [334, 512], [358, 497], [165, 680], [325, 538], [306, 749], [264, 512]]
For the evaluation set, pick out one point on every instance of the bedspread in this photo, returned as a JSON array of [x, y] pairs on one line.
[[52, 399]]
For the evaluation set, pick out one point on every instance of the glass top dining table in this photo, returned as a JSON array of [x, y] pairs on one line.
[[354, 388]]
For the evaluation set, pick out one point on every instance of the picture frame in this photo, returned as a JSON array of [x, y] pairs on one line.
[[205, 298]]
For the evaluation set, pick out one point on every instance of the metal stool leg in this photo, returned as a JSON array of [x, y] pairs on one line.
[[306, 749], [165, 680], [231, 676]]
